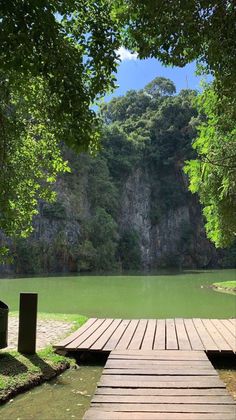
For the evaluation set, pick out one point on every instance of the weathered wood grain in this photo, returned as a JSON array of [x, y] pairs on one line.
[[95, 414], [151, 334], [161, 384]]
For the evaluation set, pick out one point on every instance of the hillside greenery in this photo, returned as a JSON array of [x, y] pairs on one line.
[[151, 130], [59, 58], [56, 59], [213, 173]]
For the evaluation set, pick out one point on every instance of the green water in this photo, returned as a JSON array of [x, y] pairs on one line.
[[64, 398], [185, 294]]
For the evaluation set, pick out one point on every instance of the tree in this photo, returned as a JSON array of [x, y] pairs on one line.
[[129, 250], [71, 46], [160, 86], [178, 32], [56, 59], [157, 137], [102, 232], [213, 173], [29, 155], [69, 49]]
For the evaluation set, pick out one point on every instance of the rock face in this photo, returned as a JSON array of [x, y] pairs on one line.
[[135, 212], [178, 238]]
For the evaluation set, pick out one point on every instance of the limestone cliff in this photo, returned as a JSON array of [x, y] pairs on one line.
[[128, 208], [178, 238]]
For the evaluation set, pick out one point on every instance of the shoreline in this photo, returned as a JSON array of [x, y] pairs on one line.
[[34, 380], [19, 372], [225, 287]]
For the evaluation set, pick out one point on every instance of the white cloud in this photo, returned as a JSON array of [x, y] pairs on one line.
[[125, 54]]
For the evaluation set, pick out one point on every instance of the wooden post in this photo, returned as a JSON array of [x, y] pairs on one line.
[[27, 323]]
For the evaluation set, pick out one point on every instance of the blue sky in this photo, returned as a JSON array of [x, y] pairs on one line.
[[135, 74]]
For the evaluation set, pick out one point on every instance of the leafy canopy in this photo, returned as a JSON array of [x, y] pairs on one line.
[[160, 86], [71, 46], [213, 173], [178, 32], [29, 156], [69, 49], [56, 59], [154, 132]]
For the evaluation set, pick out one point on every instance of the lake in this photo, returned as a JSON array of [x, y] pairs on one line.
[[160, 295]]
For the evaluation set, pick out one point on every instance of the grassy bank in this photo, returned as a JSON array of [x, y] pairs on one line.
[[225, 286], [20, 372]]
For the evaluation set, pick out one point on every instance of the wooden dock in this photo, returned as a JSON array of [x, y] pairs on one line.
[[157, 368], [160, 385], [105, 335]]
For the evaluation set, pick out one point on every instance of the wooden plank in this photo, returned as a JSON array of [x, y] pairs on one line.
[[155, 364], [216, 336], [225, 333], [161, 371], [159, 355], [150, 357], [82, 337], [75, 334], [162, 391], [100, 343], [163, 399], [169, 408], [96, 335], [116, 336], [171, 339], [182, 337], [137, 338], [206, 339], [193, 336], [160, 337], [160, 378], [228, 325], [113, 363], [127, 336], [149, 336], [126, 381], [233, 321], [95, 414]]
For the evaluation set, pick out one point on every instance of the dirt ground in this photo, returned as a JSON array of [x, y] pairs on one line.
[[229, 377]]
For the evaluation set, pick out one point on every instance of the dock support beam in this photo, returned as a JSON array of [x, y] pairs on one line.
[[27, 323]]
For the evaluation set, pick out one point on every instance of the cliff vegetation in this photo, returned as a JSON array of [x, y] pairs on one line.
[[129, 207]]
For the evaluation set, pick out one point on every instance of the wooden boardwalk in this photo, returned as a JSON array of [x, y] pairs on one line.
[[161, 385], [217, 335]]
